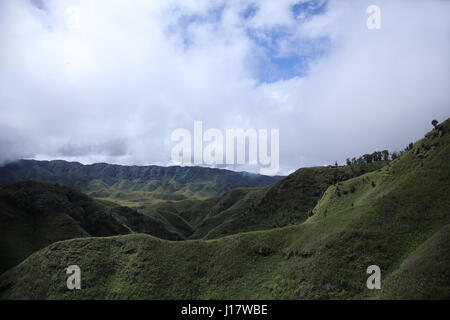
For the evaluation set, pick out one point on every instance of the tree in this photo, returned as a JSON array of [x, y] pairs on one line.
[[368, 158], [348, 161], [385, 155], [376, 156], [434, 123]]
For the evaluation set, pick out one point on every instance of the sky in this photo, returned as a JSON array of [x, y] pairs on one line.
[[110, 80]]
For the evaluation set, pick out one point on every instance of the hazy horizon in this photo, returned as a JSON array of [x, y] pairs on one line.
[[109, 81]]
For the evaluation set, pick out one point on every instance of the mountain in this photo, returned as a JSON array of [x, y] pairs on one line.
[[396, 217], [34, 215], [133, 185], [286, 202], [139, 187]]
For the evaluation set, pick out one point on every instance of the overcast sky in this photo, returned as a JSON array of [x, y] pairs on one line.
[[114, 87]]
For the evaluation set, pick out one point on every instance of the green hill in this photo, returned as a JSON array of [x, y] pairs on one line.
[[179, 202], [34, 215], [286, 202], [133, 185], [396, 217]]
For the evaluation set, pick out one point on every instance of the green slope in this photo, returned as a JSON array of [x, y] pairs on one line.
[[34, 215], [286, 202], [425, 273], [395, 217]]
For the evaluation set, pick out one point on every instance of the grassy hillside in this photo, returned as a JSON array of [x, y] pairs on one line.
[[133, 185], [174, 196], [286, 202], [34, 215], [396, 217], [425, 273]]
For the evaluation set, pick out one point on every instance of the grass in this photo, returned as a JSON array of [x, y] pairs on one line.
[[425, 273], [35, 214], [396, 217], [287, 202]]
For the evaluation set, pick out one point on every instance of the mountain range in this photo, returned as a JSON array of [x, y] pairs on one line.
[[131, 184], [310, 235]]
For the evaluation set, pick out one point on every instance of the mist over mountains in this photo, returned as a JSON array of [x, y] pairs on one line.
[[115, 88]]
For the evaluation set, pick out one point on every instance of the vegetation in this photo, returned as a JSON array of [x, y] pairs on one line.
[[396, 217], [34, 215], [283, 203], [435, 123], [286, 202], [133, 185]]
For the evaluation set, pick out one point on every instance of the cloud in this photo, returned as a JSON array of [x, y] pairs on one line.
[[116, 87]]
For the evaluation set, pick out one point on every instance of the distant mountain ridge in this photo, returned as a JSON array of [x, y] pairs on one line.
[[133, 183]]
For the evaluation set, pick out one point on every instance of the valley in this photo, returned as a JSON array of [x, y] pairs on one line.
[[310, 235]]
